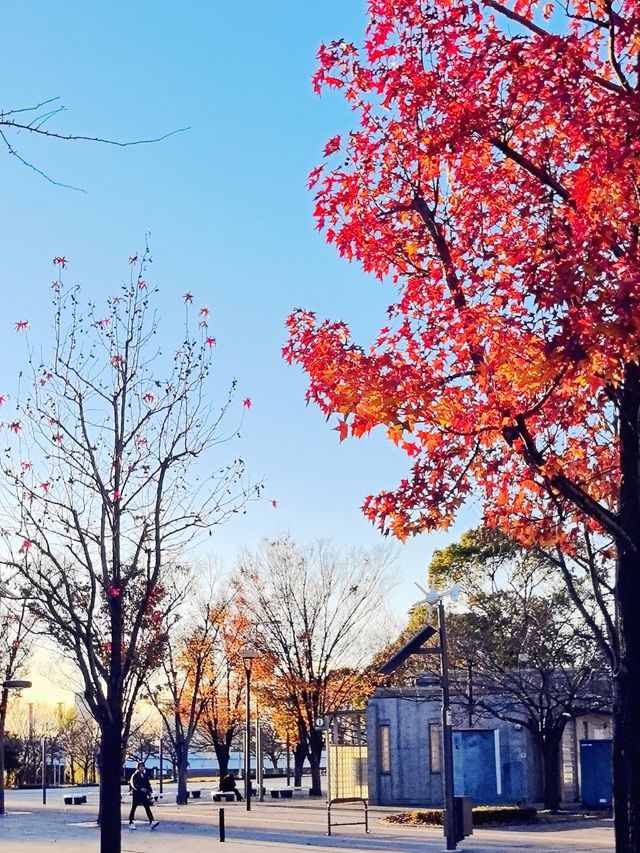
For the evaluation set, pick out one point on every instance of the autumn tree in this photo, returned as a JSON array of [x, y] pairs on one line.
[[114, 467], [312, 609], [224, 681], [181, 690], [492, 178], [15, 647], [29, 723], [79, 740]]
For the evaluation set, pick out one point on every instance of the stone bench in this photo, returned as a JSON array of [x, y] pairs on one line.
[[223, 796], [75, 800]]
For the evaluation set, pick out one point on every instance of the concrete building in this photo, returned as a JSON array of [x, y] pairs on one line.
[[494, 761]]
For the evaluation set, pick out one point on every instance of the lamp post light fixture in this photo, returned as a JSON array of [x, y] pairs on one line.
[[248, 657], [10, 684]]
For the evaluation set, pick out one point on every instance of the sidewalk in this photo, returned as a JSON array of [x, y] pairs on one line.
[[271, 827]]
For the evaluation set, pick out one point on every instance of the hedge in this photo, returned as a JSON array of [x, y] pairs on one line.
[[482, 815]]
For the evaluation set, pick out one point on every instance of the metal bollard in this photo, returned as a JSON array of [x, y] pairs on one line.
[[221, 824]]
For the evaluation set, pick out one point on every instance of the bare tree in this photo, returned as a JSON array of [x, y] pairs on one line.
[[109, 478], [312, 609], [34, 121]]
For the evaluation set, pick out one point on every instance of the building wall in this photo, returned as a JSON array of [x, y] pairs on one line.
[[414, 776]]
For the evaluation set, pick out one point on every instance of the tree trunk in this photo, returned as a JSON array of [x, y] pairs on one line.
[[626, 690], [551, 772], [222, 751], [4, 699], [315, 754], [626, 745], [110, 791], [182, 764], [299, 755]]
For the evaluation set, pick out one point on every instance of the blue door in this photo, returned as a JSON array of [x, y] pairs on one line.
[[474, 766], [595, 773]]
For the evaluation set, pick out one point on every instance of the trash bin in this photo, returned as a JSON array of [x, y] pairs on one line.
[[462, 817]]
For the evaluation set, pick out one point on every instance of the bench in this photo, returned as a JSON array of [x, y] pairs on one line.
[[75, 800], [223, 796]]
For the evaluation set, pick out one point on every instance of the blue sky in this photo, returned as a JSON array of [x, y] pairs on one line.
[[229, 214]]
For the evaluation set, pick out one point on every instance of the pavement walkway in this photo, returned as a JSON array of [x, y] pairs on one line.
[[300, 825]]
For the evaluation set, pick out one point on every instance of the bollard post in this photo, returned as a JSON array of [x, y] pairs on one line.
[[221, 824]]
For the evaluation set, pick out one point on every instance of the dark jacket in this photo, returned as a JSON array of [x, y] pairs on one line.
[[140, 785], [228, 783]]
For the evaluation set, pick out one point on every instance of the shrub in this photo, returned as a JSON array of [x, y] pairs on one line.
[[482, 815]]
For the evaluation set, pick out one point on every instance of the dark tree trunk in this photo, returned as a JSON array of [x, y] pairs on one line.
[[626, 694], [299, 755], [626, 743], [182, 764], [222, 751], [4, 699], [551, 771], [315, 754], [110, 791]]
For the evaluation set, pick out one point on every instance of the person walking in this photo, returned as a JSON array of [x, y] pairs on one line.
[[141, 795]]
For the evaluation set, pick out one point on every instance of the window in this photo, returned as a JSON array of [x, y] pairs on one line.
[[385, 748], [435, 748]]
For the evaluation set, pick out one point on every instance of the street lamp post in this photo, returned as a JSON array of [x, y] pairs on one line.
[[248, 656], [435, 598], [447, 733], [4, 700]]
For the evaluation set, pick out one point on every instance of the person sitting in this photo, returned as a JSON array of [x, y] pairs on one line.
[[228, 785]]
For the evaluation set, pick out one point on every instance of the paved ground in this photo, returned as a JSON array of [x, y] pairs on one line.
[[299, 825]]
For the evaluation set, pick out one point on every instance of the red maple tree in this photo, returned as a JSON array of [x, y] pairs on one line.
[[493, 179]]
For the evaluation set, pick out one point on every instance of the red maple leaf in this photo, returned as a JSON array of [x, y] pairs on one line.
[[211, 342], [188, 297], [22, 325], [332, 145], [247, 402], [60, 262], [274, 503]]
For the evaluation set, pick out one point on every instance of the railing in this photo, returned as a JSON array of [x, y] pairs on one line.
[[342, 800]]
